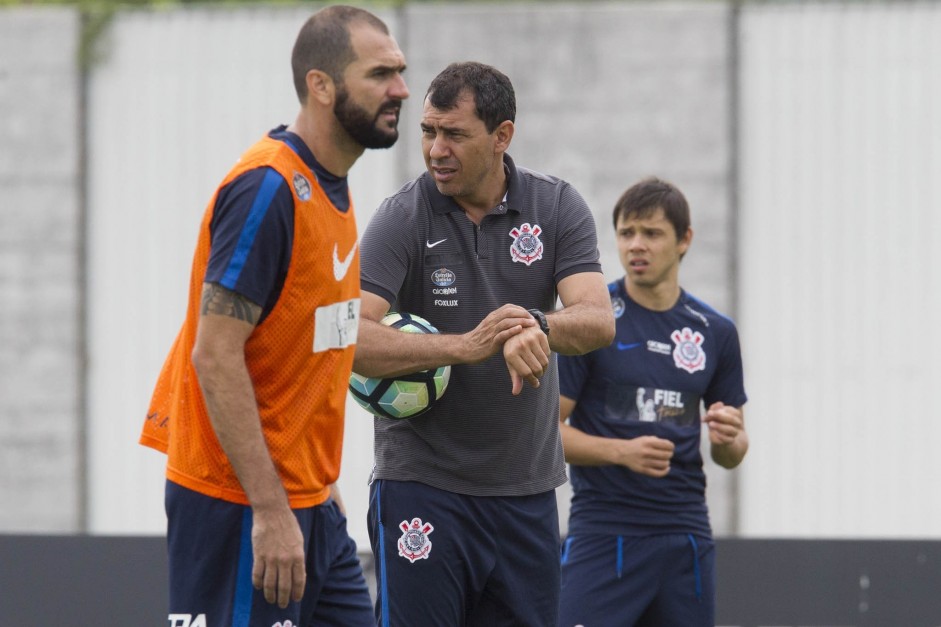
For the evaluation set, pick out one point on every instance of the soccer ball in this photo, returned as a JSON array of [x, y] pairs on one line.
[[407, 395]]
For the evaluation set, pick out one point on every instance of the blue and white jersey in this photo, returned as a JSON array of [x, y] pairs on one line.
[[652, 380]]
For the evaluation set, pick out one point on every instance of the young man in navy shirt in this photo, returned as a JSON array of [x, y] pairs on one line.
[[640, 548]]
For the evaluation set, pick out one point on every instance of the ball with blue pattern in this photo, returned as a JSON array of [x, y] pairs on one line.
[[403, 396]]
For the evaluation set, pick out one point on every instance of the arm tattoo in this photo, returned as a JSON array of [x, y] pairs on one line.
[[220, 301]]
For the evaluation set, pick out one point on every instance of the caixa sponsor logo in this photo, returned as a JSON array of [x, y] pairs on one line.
[[443, 277], [187, 620]]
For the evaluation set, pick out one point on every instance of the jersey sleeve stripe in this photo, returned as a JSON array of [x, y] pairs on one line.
[[269, 186]]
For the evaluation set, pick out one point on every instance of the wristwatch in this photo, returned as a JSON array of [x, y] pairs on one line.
[[541, 319]]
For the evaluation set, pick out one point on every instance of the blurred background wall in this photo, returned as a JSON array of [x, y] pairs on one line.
[[43, 484], [805, 136]]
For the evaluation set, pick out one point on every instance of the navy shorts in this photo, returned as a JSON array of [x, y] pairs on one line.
[[209, 542], [451, 559], [653, 581]]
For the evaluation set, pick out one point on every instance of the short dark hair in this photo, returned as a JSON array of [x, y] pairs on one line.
[[324, 44], [494, 98], [643, 198]]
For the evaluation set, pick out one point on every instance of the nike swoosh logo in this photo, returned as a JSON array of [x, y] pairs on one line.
[[626, 347], [432, 245], [340, 268]]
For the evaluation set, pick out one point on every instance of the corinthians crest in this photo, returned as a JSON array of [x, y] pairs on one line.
[[526, 247], [617, 304], [414, 543], [688, 353]]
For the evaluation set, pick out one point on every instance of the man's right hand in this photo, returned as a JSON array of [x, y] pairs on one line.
[[278, 551], [647, 455]]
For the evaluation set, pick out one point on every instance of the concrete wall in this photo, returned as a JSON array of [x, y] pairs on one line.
[[607, 93], [41, 238], [99, 209], [618, 91]]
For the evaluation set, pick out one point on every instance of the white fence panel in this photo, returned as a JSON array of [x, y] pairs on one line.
[[840, 196], [179, 96], [840, 283]]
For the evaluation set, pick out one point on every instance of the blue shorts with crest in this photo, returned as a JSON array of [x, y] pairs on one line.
[[452, 559]]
